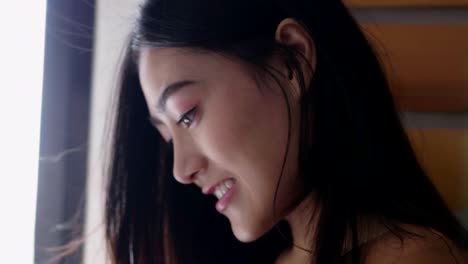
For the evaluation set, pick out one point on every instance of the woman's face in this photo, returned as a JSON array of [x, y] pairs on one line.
[[229, 135]]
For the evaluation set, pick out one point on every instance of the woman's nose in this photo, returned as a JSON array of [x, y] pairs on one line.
[[188, 162]]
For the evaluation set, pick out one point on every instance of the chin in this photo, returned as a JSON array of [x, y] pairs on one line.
[[245, 237], [247, 234]]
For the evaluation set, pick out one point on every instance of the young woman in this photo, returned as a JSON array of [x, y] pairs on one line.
[[265, 132]]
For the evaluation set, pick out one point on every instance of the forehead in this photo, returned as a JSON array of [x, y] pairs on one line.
[[157, 67], [160, 67]]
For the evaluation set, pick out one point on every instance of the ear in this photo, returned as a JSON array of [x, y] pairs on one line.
[[291, 33]]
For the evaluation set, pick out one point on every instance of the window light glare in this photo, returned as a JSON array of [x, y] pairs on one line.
[[22, 24]]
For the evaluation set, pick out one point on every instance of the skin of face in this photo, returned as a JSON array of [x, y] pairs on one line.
[[232, 128]]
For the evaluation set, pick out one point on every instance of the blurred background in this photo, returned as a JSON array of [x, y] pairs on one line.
[[59, 66]]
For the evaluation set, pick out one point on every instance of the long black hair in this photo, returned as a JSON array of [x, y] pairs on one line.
[[354, 154]]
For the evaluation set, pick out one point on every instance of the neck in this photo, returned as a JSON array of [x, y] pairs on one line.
[[302, 229], [303, 226]]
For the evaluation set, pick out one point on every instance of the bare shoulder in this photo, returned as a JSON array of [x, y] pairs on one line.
[[429, 247]]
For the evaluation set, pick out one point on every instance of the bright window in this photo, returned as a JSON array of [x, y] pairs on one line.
[[22, 29]]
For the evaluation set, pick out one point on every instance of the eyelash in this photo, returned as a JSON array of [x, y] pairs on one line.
[[187, 118], [189, 115]]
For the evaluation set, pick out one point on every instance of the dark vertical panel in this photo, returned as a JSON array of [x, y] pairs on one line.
[[64, 125]]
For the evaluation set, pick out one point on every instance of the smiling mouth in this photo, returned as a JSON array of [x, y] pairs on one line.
[[223, 188], [225, 192]]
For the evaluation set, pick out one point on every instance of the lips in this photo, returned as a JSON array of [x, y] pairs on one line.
[[224, 191], [226, 198], [221, 189]]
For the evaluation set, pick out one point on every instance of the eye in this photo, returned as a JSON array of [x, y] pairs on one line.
[[187, 118]]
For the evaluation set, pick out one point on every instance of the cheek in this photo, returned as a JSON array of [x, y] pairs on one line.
[[221, 136], [230, 128], [247, 138], [246, 131]]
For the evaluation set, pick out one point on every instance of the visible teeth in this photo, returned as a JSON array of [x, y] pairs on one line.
[[222, 189], [229, 183]]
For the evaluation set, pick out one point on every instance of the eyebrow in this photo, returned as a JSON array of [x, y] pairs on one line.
[[167, 92], [170, 90]]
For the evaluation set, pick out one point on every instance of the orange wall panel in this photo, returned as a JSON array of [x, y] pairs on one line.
[[426, 64], [406, 3], [444, 155]]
